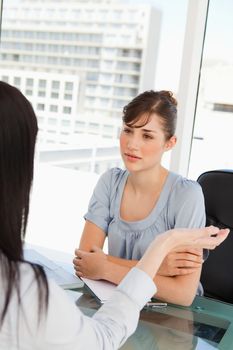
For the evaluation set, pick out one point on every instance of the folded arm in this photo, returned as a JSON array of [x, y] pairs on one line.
[[176, 284]]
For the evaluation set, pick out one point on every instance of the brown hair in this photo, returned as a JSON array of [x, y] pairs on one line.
[[151, 102]]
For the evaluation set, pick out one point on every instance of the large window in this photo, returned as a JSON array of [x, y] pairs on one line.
[[79, 63], [212, 139]]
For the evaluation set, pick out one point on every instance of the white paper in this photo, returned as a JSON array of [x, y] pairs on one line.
[[62, 277], [102, 289]]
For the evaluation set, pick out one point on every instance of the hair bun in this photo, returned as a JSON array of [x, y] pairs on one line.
[[168, 95]]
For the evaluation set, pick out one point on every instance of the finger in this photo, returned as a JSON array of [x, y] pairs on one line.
[[191, 237], [212, 242], [75, 261], [78, 263], [75, 251], [221, 236], [182, 271], [187, 249], [79, 273], [185, 271], [204, 232], [190, 257], [188, 264], [194, 251], [211, 230], [79, 253], [224, 232], [76, 268]]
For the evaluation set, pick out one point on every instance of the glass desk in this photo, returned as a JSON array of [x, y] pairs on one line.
[[207, 324]]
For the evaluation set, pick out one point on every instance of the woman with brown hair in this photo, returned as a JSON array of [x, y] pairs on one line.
[[133, 206], [34, 312]]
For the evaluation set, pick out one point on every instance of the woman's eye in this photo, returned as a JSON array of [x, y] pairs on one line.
[[147, 136], [127, 131]]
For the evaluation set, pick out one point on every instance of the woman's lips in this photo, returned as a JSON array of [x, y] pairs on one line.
[[132, 157]]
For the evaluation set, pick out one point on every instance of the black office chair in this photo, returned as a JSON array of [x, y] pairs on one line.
[[217, 270]]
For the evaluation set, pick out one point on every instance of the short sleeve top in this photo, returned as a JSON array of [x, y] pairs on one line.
[[180, 205]]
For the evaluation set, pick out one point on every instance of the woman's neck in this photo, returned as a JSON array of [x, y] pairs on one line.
[[148, 181]]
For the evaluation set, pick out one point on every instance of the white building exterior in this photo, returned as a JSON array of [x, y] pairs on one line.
[[109, 48], [54, 98]]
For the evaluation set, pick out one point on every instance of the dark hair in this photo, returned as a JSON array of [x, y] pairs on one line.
[[18, 130], [151, 102]]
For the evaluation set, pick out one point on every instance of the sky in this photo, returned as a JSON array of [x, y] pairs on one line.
[[219, 34], [218, 40]]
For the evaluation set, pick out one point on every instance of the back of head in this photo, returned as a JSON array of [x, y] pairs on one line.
[[18, 130]]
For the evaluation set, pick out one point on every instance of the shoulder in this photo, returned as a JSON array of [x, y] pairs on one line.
[[27, 279], [112, 177], [29, 291], [113, 173], [186, 204], [53, 324], [185, 187]]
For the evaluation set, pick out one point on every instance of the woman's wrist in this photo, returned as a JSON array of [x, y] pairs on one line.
[[156, 252], [107, 270], [173, 239], [165, 242]]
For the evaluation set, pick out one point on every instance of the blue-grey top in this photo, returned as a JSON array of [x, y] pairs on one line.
[[181, 204]]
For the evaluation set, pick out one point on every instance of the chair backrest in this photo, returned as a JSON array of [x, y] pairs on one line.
[[217, 271]]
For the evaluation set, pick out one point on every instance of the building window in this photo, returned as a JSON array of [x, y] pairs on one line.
[[55, 85], [53, 108], [54, 94], [29, 82], [40, 107], [17, 81], [41, 93], [65, 122], [28, 92], [68, 86], [42, 83], [5, 78], [68, 97], [52, 121], [67, 110]]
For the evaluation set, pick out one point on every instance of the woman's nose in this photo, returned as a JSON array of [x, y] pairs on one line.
[[133, 143]]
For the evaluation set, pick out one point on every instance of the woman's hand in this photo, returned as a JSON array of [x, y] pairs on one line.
[[181, 261], [90, 264], [208, 237]]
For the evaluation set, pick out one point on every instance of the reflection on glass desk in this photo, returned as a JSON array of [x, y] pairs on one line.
[[207, 324]]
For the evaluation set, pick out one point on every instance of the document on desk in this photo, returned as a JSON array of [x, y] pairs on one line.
[[103, 290], [62, 277]]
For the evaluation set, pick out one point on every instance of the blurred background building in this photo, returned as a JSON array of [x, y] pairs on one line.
[[80, 62]]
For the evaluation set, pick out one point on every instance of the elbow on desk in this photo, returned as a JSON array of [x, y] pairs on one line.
[[183, 299], [186, 300], [176, 290]]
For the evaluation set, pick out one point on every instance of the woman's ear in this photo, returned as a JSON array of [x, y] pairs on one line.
[[170, 143]]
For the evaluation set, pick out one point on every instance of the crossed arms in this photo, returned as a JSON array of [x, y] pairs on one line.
[[177, 279]]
